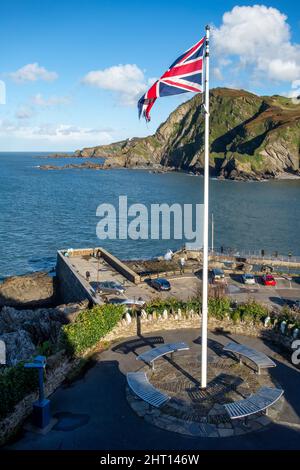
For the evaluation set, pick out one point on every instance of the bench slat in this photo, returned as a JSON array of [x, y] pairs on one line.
[[155, 353], [259, 358], [141, 386], [260, 401]]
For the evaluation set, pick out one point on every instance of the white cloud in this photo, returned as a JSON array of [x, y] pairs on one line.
[[294, 93], [53, 133], [24, 112], [259, 37], [39, 100], [126, 80], [217, 73], [32, 73]]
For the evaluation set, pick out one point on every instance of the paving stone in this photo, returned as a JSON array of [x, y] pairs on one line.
[[196, 412], [225, 432], [140, 407], [264, 420], [239, 430], [255, 425]]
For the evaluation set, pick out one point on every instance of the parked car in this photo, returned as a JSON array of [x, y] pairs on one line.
[[108, 287], [248, 278], [130, 303], [160, 284], [268, 280], [217, 276]]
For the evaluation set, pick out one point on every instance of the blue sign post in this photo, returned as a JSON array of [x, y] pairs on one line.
[[41, 407]]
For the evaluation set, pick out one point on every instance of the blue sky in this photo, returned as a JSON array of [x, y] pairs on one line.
[[48, 50]]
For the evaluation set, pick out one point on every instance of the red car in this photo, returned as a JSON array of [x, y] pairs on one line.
[[268, 280]]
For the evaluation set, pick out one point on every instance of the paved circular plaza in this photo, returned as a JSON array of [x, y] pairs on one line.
[[196, 412]]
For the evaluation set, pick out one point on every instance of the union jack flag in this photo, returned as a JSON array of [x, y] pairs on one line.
[[184, 75]]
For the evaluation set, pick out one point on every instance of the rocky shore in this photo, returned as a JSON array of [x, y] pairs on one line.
[[30, 315], [72, 166], [105, 166], [29, 291]]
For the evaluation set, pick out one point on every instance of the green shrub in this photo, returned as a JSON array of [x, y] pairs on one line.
[[89, 327], [252, 311], [46, 348], [159, 305], [193, 304], [171, 304], [219, 307], [290, 315], [15, 383], [235, 316]]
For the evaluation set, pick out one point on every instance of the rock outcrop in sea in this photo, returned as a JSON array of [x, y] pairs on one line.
[[28, 291]]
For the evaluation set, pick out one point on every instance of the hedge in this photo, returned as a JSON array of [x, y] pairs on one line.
[[218, 307], [88, 329], [15, 383]]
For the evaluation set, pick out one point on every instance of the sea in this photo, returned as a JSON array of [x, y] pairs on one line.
[[44, 211]]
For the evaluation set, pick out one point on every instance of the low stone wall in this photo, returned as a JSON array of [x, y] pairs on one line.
[[148, 323], [120, 266]]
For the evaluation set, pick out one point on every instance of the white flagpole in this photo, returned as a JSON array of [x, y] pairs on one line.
[[212, 232], [205, 222]]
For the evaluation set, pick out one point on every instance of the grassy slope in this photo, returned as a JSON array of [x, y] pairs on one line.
[[250, 134]]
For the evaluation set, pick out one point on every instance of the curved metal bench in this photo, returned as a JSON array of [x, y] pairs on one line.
[[260, 401], [155, 353], [141, 386], [261, 360]]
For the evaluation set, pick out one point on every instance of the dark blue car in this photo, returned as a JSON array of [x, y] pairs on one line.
[[161, 284]]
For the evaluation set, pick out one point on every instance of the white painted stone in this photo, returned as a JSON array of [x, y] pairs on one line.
[[283, 327], [143, 314], [165, 314], [128, 318], [295, 333]]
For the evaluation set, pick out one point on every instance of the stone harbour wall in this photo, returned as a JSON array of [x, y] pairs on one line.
[[72, 286]]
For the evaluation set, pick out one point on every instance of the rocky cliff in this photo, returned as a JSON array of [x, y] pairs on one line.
[[251, 137]]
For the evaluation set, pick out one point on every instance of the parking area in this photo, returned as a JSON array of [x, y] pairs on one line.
[[184, 287], [187, 285], [285, 292]]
